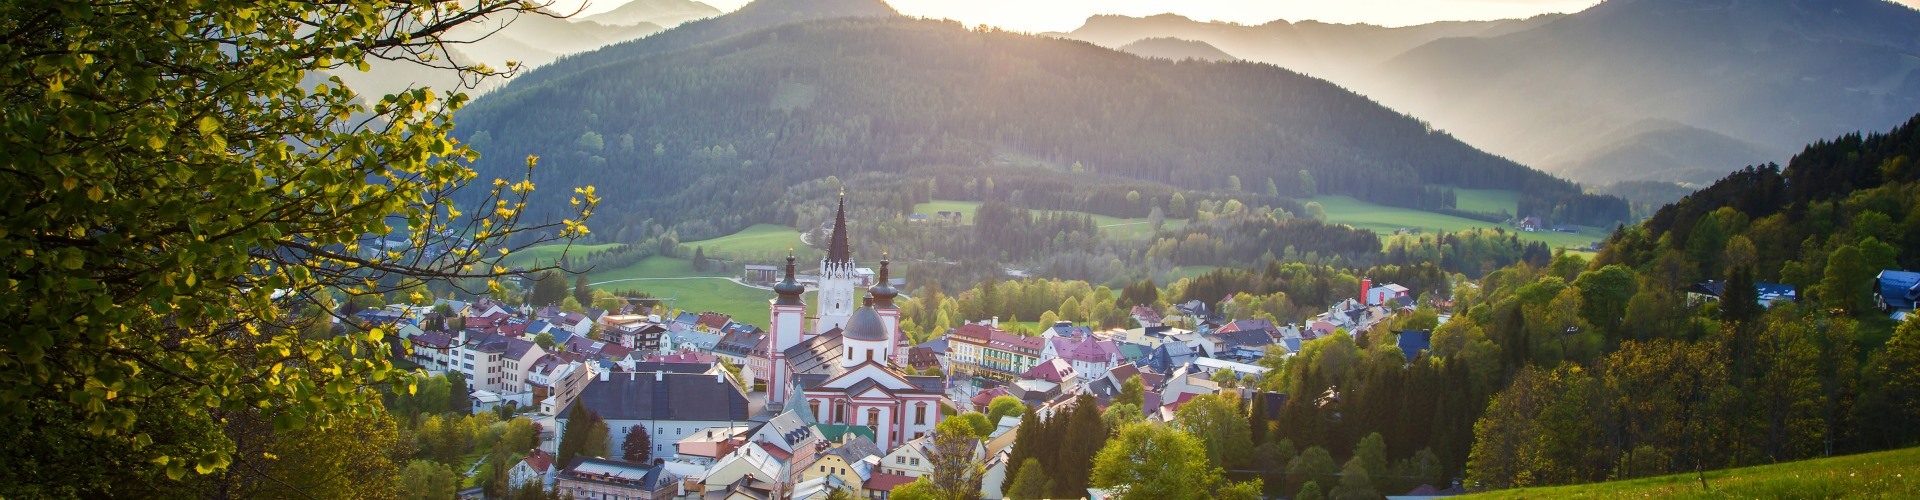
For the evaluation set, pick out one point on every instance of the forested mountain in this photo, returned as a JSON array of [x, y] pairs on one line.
[[668, 13], [715, 131], [756, 15], [1176, 49], [531, 39], [1687, 154], [1336, 52], [1770, 72]]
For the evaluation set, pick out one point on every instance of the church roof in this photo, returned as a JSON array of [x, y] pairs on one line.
[[837, 249], [817, 354], [866, 325]]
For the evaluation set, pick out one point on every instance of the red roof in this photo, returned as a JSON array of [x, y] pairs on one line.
[[776, 452], [882, 481], [997, 339], [985, 397], [538, 460], [714, 320], [1054, 370]]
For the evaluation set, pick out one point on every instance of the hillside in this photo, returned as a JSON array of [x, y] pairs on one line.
[[531, 39], [1177, 50], [1880, 474], [1658, 150], [1337, 52], [808, 100], [667, 13], [1768, 72]]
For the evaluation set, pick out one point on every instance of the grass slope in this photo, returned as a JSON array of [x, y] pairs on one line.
[[1384, 220], [760, 242], [1132, 229], [545, 255], [692, 290], [1887, 474], [1487, 200]]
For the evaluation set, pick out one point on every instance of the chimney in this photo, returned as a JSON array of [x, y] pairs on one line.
[[1366, 284], [996, 321], [605, 375], [719, 377], [659, 375]]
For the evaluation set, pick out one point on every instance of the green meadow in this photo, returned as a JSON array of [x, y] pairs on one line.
[[1871, 475]]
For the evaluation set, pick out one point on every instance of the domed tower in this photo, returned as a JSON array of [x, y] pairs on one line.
[[864, 339], [838, 277], [883, 294], [787, 327]]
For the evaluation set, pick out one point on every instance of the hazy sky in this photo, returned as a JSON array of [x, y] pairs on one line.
[[1065, 15]]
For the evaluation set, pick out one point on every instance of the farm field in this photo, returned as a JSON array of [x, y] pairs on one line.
[[1487, 200], [544, 255], [1384, 220], [1871, 475], [1116, 227]]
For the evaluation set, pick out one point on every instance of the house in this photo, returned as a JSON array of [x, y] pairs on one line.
[[743, 488], [751, 464], [928, 354], [669, 406], [1146, 316], [595, 350], [759, 273], [1056, 372], [1896, 292], [789, 439], [680, 338], [1169, 357], [1381, 295], [705, 447], [1089, 356], [983, 351], [916, 217], [1414, 342], [433, 350], [1765, 293], [557, 378], [852, 463], [712, 321], [910, 459], [602, 478], [1530, 224], [536, 468], [684, 357]]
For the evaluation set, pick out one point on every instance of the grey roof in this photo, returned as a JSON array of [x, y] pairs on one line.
[[837, 247], [856, 449], [1245, 338], [938, 345], [646, 368], [817, 355], [866, 325], [621, 474], [676, 396], [790, 427]]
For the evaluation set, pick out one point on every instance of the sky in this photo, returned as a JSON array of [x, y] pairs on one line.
[[1065, 15]]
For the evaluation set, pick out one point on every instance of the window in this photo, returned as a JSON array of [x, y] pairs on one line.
[[873, 420], [899, 460], [920, 414], [916, 461], [813, 406]]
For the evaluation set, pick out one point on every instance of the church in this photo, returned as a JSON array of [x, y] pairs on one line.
[[845, 368]]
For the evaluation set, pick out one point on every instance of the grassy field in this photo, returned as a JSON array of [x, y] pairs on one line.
[[761, 242], [1871, 475], [691, 290], [1487, 200], [1384, 220], [1133, 229], [544, 255]]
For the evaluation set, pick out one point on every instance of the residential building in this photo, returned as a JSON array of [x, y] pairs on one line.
[[669, 406], [1896, 292], [609, 479], [536, 468], [983, 351]]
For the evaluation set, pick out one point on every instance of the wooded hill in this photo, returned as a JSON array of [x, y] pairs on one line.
[[708, 132]]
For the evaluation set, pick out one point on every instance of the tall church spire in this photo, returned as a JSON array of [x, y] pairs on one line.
[[837, 250]]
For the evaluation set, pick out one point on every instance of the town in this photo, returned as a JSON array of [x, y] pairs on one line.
[[839, 401]]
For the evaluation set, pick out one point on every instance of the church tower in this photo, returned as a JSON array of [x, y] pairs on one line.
[[838, 277], [787, 327], [883, 294]]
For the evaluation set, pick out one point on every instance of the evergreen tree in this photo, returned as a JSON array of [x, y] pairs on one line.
[[548, 289], [638, 448], [457, 393], [1257, 419], [1027, 444], [1030, 483], [700, 259], [573, 433], [1085, 434], [581, 293]]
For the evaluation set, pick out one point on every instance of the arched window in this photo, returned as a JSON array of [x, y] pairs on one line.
[[873, 421], [813, 407]]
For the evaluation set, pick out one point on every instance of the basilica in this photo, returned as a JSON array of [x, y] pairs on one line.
[[846, 367]]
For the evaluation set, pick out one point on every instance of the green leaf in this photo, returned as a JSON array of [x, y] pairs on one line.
[[208, 124]]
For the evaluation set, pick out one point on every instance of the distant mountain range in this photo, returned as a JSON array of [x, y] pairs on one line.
[[1176, 49], [1680, 90], [716, 117], [530, 39], [667, 13]]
